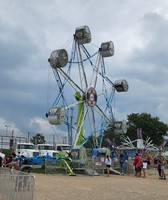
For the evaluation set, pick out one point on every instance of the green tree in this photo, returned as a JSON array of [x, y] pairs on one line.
[[110, 138], [38, 139], [151, 127]]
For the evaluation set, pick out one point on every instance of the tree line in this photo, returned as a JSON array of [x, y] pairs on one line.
[[151, 127]]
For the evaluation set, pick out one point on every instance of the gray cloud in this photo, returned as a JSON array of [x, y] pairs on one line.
[[31, 31]]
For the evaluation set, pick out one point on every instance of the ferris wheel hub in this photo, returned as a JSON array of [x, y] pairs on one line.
[[91, 97]]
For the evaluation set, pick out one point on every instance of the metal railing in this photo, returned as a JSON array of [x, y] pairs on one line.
[[16, 185]]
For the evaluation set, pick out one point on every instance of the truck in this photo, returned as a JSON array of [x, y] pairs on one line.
[[46, 149], [25, 150], [63, 148]]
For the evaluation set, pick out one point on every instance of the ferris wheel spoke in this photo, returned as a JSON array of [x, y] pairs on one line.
[[82, 74], [102, 74], [95, 72], [60, 86], [100, 111], [70, 81], [94, 127]]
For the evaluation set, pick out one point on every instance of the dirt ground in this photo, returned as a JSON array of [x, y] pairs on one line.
[[115, 187]]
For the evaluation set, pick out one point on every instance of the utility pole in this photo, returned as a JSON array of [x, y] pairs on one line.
[[12, 140], [7, 126], [28, 136], [70, 137], [54, 141]]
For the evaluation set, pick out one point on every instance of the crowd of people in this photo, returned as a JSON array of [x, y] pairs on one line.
[[10, 161], [139, 163]]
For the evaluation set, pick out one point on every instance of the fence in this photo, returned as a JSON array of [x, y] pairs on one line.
[[50, 166], [90, 166], [85, 165], [94, 166], [16, 185]]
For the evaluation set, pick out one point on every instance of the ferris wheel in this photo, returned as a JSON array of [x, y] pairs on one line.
[[84, 95]]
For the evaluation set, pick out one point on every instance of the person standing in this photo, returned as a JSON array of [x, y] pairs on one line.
[[95, 153], [159, 166], [144, 166], [108, 163], [137, 165], [126, 163], [115, 157], [163, 175], [121, 163]]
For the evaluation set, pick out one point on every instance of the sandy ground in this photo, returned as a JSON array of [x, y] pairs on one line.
[[115, 187]]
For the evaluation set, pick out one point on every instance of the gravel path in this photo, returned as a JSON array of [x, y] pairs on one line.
[[115, 187]]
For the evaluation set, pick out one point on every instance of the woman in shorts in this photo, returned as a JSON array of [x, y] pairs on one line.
[[108, 164], [144, 166]]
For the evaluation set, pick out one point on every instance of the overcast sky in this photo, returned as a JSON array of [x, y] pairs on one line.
[[31, 30]]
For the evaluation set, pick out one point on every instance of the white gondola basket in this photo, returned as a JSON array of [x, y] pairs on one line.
[[56, 115], [107, 49], [121, 85], [58, 58], [120, 127], [83, 35]]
